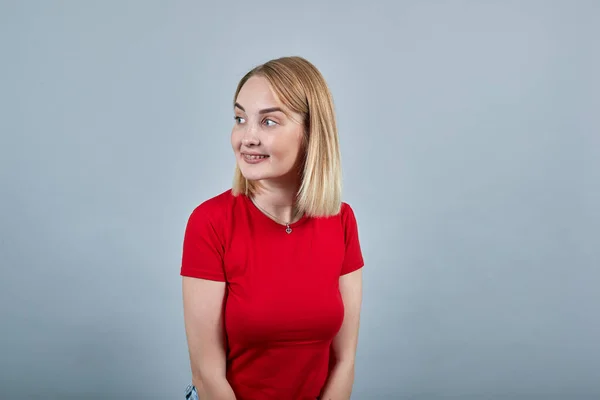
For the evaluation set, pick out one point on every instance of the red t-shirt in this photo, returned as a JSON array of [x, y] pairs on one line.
[[283, 304]]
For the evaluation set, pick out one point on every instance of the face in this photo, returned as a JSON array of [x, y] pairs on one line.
[[266, 136]]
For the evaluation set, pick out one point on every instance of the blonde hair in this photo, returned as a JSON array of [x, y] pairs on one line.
[[300, 87]]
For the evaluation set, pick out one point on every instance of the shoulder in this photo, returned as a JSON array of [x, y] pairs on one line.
[[217, 203], [348, 219], [214, 210], [345, 217], [347, 213], [353, 258]]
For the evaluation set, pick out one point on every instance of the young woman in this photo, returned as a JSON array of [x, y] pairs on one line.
[[272, 269]]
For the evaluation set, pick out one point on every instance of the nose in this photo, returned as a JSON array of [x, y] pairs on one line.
[[249, 142], [250, 137]]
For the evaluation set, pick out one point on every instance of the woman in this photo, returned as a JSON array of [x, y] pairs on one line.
[[272, 280]]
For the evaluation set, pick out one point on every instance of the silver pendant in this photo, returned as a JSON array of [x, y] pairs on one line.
[[288, 229]]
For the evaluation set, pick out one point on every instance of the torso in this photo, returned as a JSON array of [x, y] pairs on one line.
[[283, 305]]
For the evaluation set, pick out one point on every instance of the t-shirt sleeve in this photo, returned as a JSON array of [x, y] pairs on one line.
[[353, 258], [202, 247]]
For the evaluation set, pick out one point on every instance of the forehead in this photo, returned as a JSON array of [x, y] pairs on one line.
[[257, 94]]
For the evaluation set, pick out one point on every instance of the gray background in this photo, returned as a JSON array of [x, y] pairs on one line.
[[470, 138]]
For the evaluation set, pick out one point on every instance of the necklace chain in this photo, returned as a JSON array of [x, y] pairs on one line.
[[288, 229]]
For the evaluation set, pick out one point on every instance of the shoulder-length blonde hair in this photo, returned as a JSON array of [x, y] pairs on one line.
[[300, 87]]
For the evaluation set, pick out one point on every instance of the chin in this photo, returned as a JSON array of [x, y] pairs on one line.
[[257, 175], [260, 172], [253, 175]]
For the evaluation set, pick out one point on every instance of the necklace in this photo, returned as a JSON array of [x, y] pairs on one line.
[[288, 229]]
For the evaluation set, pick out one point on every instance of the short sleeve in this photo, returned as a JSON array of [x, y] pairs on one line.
[[202, 247], [353, 258]]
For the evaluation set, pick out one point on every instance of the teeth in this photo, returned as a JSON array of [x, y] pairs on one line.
[[253, 157]]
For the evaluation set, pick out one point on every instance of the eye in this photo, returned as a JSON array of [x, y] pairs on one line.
[[270, 120], [238, 119]]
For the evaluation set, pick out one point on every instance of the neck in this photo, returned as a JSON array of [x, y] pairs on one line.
[[279, 200]]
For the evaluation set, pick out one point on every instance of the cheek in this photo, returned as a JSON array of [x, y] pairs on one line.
[[235, 140], [287, 151], [295, 147]]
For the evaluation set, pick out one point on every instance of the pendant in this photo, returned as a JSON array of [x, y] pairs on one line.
[[288, 229]]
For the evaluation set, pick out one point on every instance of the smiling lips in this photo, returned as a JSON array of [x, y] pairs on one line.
[[254, 158]]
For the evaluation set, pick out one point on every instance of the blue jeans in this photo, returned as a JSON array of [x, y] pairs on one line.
[[191, 393]]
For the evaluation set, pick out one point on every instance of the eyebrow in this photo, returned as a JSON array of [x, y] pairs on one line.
[[263, 111]]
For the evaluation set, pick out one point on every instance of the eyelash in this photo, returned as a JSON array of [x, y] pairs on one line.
[[236, 119]]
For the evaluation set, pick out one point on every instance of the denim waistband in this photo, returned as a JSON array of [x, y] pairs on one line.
[[191, 393]]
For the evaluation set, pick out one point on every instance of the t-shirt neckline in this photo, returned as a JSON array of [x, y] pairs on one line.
[[262, 215]]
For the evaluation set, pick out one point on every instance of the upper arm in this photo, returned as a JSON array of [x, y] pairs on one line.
[[353, 258], [346, 340], [203, 316], [350, 285], [204, 292], [203, 248]]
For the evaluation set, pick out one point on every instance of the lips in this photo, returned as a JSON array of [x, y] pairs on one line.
[[254, 157]]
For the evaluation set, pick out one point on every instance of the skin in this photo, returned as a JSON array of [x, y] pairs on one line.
[[277, 134], [203, 317], [341, 379]]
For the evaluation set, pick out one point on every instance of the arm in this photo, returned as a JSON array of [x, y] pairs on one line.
[[203, 316], [341, 376]]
